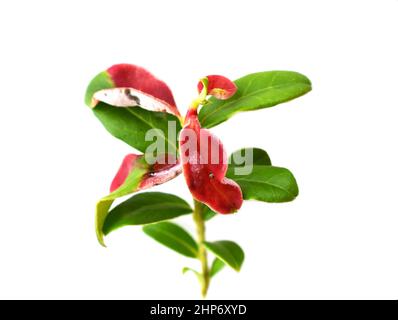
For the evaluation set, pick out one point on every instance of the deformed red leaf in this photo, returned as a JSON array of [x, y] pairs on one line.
[[125, 168], [204, 165], [163, 170], [219, 86], [132, 86]]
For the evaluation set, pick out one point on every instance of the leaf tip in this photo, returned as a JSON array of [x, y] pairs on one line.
[[100, 238]]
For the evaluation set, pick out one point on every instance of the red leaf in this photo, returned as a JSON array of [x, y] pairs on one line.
[[133, 86], [124, 170], [219, 86], [204, 166], [160, 172]]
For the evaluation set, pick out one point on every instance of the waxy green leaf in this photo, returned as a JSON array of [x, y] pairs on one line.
[[255, 91], [228, 252], [174, 237], [131, 124], [237, 160], [266, 183], [216, 267], [134, 175], [144, 208]]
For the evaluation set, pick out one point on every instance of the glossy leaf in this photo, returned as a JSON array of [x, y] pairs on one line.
[[145, 208], [216, 267], [255, 91], [130, 124], [129, 101], [204, 167], [140, 175], [267, 183], [227, 251], [174, 237]]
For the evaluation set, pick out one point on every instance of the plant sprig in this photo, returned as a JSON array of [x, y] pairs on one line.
[[130, 102]]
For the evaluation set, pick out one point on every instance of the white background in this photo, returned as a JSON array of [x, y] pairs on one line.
[[339, 238]]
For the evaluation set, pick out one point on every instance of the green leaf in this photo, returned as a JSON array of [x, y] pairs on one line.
[[144, 208], [228, 252], [130, 124], [236, 160], [259, 157], [101, 81], [187, 269], [255, 91], [208, 214], [174, 237], [129, 186], [196, 273], [266, 183], [216, 267]]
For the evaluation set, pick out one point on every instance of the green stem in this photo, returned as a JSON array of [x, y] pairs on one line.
[[201, 231]]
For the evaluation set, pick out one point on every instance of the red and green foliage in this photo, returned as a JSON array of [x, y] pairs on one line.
[[130, 103]]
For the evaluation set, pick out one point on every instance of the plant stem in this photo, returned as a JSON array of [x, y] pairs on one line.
[[201, 231]]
